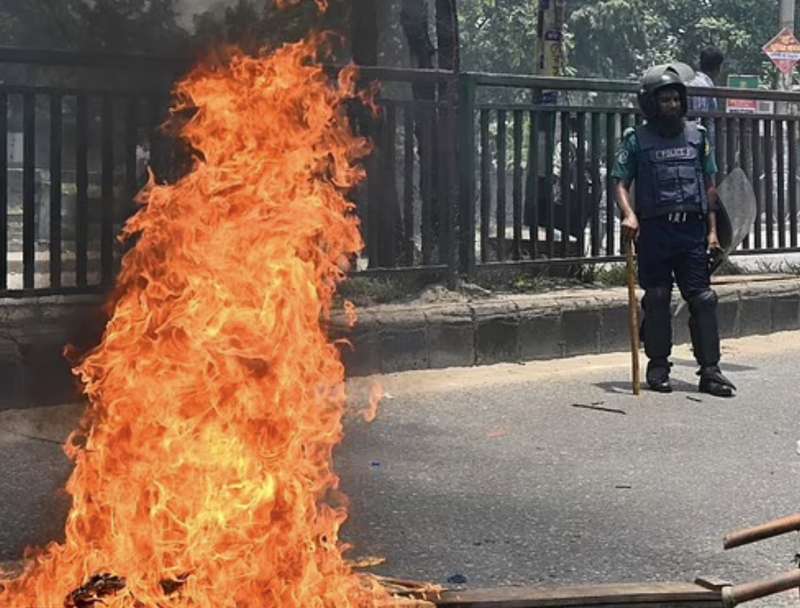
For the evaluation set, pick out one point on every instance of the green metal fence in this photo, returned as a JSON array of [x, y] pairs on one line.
[[470, 172]]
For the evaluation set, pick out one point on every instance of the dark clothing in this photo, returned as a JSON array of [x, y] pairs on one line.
[[626, 162], [669, 172], [672, 207], [667, 249]]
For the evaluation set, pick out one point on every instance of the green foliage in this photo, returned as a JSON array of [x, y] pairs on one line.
[[620, 38], [125, 26], [605, 275], [498, 35], [256, 24], [367, 291]]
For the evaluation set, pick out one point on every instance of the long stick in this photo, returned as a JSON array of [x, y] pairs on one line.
[[767, 530], [633, 314]]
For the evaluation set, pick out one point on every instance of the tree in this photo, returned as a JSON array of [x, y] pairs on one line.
[[256, 24], [127, 26], [621, 38], [498, 35]]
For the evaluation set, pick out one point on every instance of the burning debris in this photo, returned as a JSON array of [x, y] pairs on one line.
[[93, 592], [215, 396]]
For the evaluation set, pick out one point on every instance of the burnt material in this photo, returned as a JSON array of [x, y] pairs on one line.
[[93, 592]]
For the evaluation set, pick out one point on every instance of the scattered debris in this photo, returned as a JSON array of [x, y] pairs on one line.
[[693, 398], [471, 289], [172, 585], [623, 486], [611, 410], [410, 589], [457, 579], [370, 561], [93, 592]]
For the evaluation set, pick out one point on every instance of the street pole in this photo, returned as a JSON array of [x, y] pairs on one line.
[[787, 22]]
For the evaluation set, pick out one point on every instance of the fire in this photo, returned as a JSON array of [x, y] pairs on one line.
[[215, 397]]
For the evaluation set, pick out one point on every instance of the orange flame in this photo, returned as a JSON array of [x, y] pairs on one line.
[[215, 396], [376, 395]]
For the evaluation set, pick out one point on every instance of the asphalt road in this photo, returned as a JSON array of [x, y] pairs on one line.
[[513, 474], [549, 472]]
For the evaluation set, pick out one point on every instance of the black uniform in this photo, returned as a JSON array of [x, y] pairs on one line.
[[672, 208]]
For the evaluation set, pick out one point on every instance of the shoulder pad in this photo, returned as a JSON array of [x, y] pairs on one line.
[[702, 128], [628, 132]]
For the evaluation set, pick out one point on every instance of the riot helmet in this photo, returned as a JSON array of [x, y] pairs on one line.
[[655, 79]]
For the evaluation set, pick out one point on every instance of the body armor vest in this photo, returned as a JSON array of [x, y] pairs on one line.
[[669, 172]]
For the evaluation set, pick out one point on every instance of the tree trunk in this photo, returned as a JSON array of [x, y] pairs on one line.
[[414, 20], [364, 32], [447, 35], [447, 59], [381, 219]]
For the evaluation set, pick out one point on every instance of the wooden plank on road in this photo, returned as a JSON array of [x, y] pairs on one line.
[[627, 595]]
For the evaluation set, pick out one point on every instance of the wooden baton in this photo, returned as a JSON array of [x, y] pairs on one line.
[[633, 314]]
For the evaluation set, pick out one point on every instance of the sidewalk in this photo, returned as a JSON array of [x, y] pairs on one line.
[[389, 338], [515, 328]]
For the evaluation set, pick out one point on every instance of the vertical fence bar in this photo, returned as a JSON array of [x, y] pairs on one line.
[[566, 198], [426, 171], [719, 147], [408, 185], [374, 195], [769, 182], [746, 159], [107, 193], [56, 137], [757, 183], [610, 143], [129, 151], [486, 196], [517, 185], [730, 149], [532, 191], [156, 140], [29, 190], [131, 141], [597, 187], [580, 118], [793, 185], [466, 171], [500, 210], [452, 182], [781, 185], [440, 210], [82, 189], [390, 204], [4, 190], [549, 153]]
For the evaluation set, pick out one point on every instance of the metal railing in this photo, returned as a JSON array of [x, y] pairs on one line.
[[67, 191], [532, 178], [468, 173]]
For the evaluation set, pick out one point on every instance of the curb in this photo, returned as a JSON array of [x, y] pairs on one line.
[[392, 338], [33, 335]]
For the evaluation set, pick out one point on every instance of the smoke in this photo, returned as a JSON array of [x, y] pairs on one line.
[[188, 9]]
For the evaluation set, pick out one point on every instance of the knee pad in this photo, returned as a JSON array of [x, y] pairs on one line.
[[656, 298], [702, 301]]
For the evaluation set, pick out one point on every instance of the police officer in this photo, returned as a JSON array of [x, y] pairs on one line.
[[674, 222]]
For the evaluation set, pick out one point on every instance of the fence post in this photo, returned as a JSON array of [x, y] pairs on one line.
[[466, 172]]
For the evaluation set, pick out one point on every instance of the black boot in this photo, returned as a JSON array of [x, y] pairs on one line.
[[658, 375], [714, 383]]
